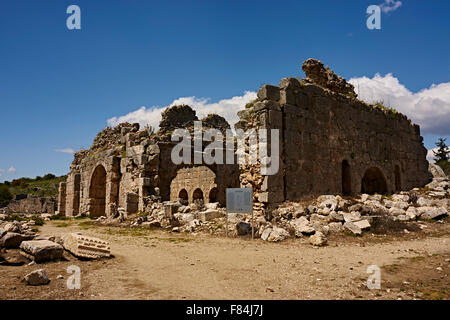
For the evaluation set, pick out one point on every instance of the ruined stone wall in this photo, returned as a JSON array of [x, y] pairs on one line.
[[328, 141], [32, 204]]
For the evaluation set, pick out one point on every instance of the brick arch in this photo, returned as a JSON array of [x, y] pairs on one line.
[[192, 178]]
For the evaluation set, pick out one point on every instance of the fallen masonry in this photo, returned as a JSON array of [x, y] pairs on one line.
[[86, 247]]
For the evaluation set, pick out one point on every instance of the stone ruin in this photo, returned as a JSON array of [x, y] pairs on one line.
[[330, 143]]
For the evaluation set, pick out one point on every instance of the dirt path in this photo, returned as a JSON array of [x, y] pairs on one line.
[[151, 264]]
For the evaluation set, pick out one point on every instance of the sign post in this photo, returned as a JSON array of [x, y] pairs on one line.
[[240, 200]]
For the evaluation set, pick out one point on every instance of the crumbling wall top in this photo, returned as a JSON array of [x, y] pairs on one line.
[[316, 73]]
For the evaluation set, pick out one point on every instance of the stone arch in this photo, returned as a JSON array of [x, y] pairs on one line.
[[213, 193], [192, 178], [197, 194], [346, 178], [183, 194], [398, 178], [373, 181], [97, 192]]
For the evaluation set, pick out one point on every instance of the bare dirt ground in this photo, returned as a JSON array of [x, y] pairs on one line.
[[154, 264]]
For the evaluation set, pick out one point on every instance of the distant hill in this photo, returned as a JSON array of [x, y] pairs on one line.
[[46, 186]]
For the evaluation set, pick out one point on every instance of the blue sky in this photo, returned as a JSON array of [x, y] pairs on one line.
[[59, 87]]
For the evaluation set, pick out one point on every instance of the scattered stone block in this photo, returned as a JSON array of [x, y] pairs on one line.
[[318, 239], [352, 228], [12, 240], [362, 224], [42, 250], [209, 215], [86, 247], [37, 278]]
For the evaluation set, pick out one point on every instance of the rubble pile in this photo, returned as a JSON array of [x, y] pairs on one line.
[[325, 215], [20, 244]]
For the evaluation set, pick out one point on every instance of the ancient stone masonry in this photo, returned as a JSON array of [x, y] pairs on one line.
[[127, 169], [333, 143], [32, 204], [330, 143]]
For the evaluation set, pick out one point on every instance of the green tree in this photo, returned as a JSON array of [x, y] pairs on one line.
[[442, 154], [5, 195]]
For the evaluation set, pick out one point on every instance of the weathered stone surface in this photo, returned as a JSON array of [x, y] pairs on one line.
[[318, 239], [336, 227], [352, 216], [268, 92], [396, 211], [12, 257], [37, 278], [302, 227], [12, 240], [431, 212], [42, 250], [353, 228], [412, 213], [274, 234], [86, 247], [436, 171], [209, 215], [318, 74], [362, 224]]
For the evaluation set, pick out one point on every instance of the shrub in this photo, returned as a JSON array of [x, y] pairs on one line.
[[5, 195]]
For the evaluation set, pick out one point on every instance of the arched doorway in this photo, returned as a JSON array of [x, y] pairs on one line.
[[398, 181], [183, 195], [373, 182], [197, 195], [213, 195], [346, 178], [97, 192]]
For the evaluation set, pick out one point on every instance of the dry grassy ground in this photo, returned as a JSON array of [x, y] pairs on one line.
[[153, 264]]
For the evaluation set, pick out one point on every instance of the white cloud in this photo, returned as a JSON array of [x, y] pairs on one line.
[[65, 150], [227, 108], [390, 5], [430, 155], [11, 170], [430, 107]]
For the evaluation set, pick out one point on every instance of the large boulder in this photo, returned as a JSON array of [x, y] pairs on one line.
[[209, 215], [42, 250], [318, 239], [12, 240], [302, 227], [274, 234], [86, 247], [362, 224], [12, 257], [431, 212], [352, 228], [352, 216], [37, 278]]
